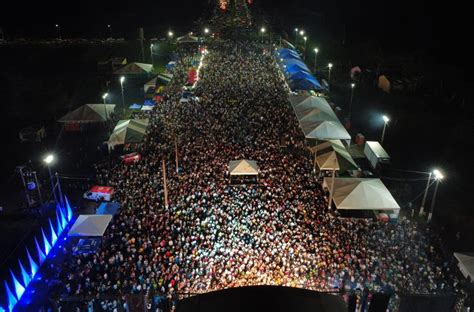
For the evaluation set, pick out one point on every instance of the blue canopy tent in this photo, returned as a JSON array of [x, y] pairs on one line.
[[305, 84], [108, 209], [289, 62], [135, 106], [302, 75], [291, 69], [285, 52], [289, 57], [149, 103]]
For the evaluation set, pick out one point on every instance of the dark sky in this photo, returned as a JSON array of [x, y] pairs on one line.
[[442, 28]]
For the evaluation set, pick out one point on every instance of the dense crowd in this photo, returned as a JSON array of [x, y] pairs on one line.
[[216, 235]]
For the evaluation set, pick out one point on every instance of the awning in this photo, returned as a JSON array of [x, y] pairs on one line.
[[243, 167], [361, 194], [90, 226]]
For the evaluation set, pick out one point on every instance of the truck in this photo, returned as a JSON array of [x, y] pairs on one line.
[[99, 193], [376, 154]]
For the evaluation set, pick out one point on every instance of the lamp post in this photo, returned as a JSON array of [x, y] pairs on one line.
[[151, 53], [438, 177], [48, 160], [296, 36], [59, 31], [329, 76], [316, 51], [385, 122], [262, 31], [104, 97], [422, 208], [110, 30], [170, 34], [122, 80], [353, 85]]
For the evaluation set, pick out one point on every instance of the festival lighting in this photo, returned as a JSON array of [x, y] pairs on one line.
[[15, 289]]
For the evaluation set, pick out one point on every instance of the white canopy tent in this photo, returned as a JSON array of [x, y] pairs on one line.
[[243, 168], [310, 103], [466, 264], [135, 68], [89, 113], [128, 131], [161, 79], [325, 131], [325, 153], [90, 225], [317, 119], [361, 194]]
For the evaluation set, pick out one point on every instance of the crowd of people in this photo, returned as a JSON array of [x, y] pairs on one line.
[[215, 235]]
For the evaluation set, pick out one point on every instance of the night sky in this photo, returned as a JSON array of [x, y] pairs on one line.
[[439, 28]]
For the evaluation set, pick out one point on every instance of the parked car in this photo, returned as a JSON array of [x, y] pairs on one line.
[[99, 193]]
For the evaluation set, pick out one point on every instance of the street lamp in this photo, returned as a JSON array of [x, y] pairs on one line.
[[316, 51], [302, 32], [170, 34], [262, 31], [206, 30], [353, 85], [305, 39], [122, 80], [151, 53], [104, 97], [296, 36], [329, 76], [110, 30], [59, 31], [438, 177], [48, 160], [385, 120]]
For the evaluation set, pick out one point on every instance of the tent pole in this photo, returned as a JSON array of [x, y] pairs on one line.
[[315, 155], [165, 182], [176, 154], [332, 188]]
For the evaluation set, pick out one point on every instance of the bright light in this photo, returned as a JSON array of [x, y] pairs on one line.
[[316, 50], [206, 30], [109, 26], [57, 25], [170, 34], [438, 175], [122, 79], [49, 159], [106, 95], [263, 29], [386, 119], [330, 65], [305, 38], [353, 85], [296, 29], [302, 32]]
